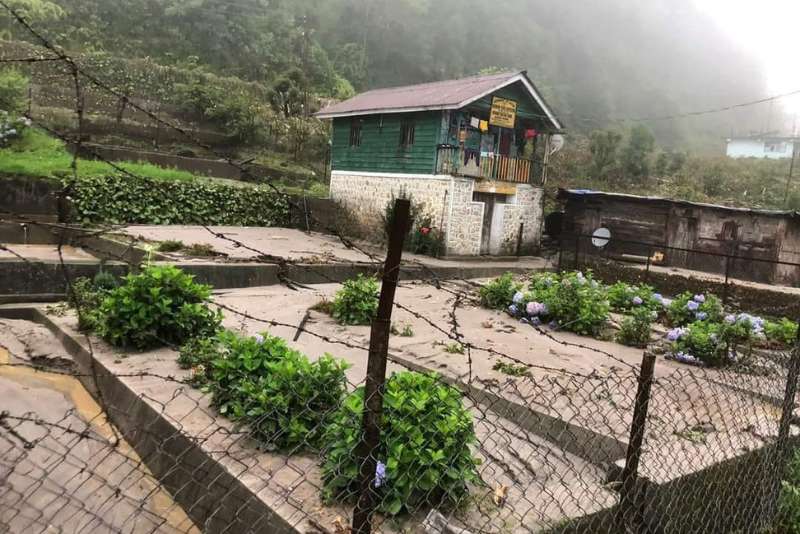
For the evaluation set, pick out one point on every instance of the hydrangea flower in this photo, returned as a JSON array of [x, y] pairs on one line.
[[701, 316], [692, 305], [730, 318], [666, 302], [380, 474], [658, 297], [676, 333], [513, 310], [536, 308], [259, 338], [637, 300], [700, 298], [535, 321], [685, 357], [518, 297]]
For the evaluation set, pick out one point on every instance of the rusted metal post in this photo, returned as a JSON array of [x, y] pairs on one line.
[[629, 503], [376, 372], [519, 238]]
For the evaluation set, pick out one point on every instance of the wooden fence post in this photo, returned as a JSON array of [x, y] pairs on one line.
[[376, 372]]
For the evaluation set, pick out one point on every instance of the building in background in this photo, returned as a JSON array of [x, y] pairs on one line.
[[761, 146], [471, 154]]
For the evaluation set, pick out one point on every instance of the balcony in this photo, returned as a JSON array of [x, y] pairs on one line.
[[455, 161]]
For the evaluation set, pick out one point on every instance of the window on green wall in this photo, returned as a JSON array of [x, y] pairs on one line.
[[355, 133], [407, 133]]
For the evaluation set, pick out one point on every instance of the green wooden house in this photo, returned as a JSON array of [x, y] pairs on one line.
[[471, 153]]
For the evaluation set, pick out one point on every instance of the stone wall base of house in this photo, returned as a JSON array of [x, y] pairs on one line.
[[447, 202]]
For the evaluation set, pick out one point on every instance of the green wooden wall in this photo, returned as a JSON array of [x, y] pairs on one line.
[[380, 149]]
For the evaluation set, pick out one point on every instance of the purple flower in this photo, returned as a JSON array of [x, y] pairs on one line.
[[637, 300], [692, 305], [700, 298], [701, 316], [535, 321], [730, 318], [259, 338], [676, 333], [513, 310], [518, 297], [536, 308], [658, 297], [666, 302], [380, 474]]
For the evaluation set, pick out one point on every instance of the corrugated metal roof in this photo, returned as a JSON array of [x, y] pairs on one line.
[[563, 193], [449, 94]]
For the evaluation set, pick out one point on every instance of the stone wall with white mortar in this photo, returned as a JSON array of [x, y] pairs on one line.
[[365, 197], [466, 216], [443, 199], [525, 208]]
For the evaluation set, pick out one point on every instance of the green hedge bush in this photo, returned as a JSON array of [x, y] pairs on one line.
[[424, 454], [118, 199], [160, 306], [498, 293], [285, 398]]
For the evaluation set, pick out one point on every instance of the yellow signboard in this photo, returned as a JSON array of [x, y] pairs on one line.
[[504, 113]]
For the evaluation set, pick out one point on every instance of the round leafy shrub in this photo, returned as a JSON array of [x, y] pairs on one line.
[[782, 333], [687, 308], [636, 327], [357, 302], [576, 301], [424, 454], [624, 297], [285, 398], [160, 306], [498, 293], [87, 295], [716, 343]]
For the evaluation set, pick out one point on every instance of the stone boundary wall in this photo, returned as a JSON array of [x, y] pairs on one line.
[[447, 200]]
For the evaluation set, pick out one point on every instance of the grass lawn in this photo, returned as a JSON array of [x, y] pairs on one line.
[[39, 155]]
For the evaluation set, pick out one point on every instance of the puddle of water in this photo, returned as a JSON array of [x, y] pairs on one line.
[[159, 501]]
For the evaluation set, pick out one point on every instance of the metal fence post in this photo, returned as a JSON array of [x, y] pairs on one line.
[[629, 503], [376, 371]]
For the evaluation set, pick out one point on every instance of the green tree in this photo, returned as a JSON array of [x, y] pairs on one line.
[[604, 146], [637, 154], [13, 90]]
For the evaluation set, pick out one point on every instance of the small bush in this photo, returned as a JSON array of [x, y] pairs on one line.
[[576, 301], [624, 297], [499, 293], [104, 281], [782, 332], [86, 297], [170, 245], [512, 369], [357, 302], [425, 239], [285, 398], [424, 454], [454, 348], [688, 308], [160, 306], [788, 519], [635, 329]]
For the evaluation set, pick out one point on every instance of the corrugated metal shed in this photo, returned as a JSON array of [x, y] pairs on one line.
[[449, 94]]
